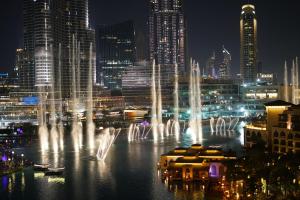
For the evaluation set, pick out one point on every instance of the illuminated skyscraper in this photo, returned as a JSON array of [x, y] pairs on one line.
[[167, 35], [225, 65], [49, 24], [76, 24], [43, 43], [248, 44]]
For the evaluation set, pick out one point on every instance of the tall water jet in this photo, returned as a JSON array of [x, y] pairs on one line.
[[43, 129], [89, 116], [195, 122], [154, 104], [198, 104], [75, 125], [53, 131], [159, 105], [286, 96], [293, 71], [78, 68], [192, 102], [296, 82], [60, 107], [176, 104], [212, 124]]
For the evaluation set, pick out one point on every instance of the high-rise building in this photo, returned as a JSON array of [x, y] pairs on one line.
[[167, 43], [78, 35], [43, 43], [116, 52], [136, 82], [26, 56], [218, 65], [48, 25], [248, 44], [23, 68], [225, 65], [211, 68]]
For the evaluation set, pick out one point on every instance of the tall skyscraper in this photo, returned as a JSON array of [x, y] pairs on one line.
[[248, 44], [49, 24], [225, 64], [26, 56], [218, 65], [43, 43], [116, 52], [76, 27], [167, 43], [211, 66]]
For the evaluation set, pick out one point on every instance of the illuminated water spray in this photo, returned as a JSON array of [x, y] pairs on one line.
[[176, 125], [195, 122], [106, 139], [89, 117]]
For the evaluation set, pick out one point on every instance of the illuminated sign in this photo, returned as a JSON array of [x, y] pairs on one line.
[[30, 100]]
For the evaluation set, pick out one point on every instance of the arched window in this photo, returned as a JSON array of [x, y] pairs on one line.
[[259, 134], [275, 134], [282, 134], [248, 133], [213, 171]]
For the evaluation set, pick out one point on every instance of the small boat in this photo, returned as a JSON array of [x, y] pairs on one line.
[[41, 167], [55, 171]]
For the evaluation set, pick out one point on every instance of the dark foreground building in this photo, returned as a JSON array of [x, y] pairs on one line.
[[116, 53]]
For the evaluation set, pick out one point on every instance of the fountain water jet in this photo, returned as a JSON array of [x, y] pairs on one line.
[[89, 117], [76, 124], [154, 122], [195, 122], [106, 139], [159, 105], [286, 96], [53, 131], [176, 104], [60, 107]]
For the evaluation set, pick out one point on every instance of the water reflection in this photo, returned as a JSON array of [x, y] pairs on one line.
[[129, 171]]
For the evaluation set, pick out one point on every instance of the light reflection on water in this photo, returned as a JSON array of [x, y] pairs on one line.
[[129, 172]]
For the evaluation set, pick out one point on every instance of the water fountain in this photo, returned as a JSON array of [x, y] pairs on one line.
[[195, 122], [106, 139], [89, 116], [176, 105], [76, 124], [296, 91], [134, 133], [219, 128], [286, 96], [60, 106], [154, 121], [293, 82], [53, 131]]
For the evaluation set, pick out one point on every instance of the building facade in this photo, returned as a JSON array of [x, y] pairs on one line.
[[225, 65], [116, 53], [248, 44], [136, 81], [51, 30], [167, 33], [218, 65], [280, 130]]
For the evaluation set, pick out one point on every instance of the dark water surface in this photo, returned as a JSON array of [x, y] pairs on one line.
[[129, 172]]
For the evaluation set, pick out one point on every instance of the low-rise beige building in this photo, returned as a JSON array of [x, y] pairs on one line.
[[280, 130]]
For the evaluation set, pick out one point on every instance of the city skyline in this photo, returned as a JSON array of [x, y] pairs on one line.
[[274, 26]]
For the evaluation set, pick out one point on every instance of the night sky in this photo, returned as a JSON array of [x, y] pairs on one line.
[[211, 24]]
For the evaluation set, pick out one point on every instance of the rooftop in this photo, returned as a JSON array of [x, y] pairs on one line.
[[278, 103]]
